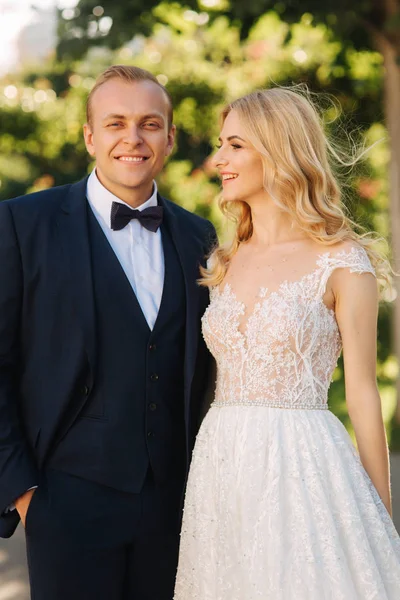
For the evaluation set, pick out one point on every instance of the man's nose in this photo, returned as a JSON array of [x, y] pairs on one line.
[[133, 135]]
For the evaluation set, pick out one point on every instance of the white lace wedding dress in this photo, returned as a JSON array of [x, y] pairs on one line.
[[278, 504]]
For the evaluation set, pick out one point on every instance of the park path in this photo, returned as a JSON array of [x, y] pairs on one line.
[[13, 575]]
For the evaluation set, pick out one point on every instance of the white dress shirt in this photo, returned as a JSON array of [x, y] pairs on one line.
[[139, 251]]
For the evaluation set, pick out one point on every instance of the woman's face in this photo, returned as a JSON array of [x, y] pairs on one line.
[[239, 164]]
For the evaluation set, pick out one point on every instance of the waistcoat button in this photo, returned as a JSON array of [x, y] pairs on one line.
[[154, 377]]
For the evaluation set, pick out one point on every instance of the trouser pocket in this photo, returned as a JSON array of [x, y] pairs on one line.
[[31, 509]]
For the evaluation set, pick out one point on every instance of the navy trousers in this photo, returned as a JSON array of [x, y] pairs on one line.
[[89, 542]]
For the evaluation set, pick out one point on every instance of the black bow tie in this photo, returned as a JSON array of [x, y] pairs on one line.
[[150, 218]]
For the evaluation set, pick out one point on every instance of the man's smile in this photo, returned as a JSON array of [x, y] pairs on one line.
[[131, 159]]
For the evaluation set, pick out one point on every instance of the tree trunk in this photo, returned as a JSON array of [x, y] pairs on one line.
[[390, 52]]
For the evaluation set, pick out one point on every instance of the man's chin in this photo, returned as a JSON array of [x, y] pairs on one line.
[[134, 183]]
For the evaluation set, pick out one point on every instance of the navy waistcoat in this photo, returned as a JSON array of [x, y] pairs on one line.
[[134, 416]]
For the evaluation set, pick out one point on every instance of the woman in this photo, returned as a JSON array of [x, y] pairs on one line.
[[279, 504]]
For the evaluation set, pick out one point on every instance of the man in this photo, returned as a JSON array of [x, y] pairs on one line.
[[102, 365]]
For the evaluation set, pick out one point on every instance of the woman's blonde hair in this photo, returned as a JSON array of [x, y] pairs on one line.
[[285, 127]]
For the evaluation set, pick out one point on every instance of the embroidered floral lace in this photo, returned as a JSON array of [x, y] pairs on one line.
[[289, 349]]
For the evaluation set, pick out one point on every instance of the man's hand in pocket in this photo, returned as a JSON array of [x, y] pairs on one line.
[[22, 504]]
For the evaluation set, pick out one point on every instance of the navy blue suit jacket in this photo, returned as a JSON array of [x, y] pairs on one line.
[[45, 287]]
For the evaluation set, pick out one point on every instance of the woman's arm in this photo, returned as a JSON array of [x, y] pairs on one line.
[[356, 308]]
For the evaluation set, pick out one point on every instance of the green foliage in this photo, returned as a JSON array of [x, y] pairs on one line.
[[112, 24], [201, 57], [115, 24]]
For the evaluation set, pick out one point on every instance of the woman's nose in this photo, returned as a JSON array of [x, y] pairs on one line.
[[218, 159]]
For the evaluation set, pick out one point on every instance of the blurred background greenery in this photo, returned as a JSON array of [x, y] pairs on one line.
[[208, 52]]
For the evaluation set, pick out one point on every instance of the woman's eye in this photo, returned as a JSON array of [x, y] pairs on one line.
[[236, 146]]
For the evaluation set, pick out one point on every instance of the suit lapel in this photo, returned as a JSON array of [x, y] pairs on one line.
[[73, 231], [188, 253], [119, 288]]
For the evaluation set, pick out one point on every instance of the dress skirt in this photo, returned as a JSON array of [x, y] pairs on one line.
[[279, 507]]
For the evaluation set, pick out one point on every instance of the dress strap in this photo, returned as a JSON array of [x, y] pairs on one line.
[[356, 259]]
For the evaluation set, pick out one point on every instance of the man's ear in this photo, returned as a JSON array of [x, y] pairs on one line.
[[171, 140], [88, 135]]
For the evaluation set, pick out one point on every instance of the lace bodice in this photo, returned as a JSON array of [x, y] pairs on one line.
[[286, 355]]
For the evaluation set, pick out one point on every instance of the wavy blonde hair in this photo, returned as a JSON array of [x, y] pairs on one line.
[[285, 127]]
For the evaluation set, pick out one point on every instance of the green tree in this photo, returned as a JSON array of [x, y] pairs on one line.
[[105, 23]]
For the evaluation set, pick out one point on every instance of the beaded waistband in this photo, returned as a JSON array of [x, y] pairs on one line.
[[301, 405]]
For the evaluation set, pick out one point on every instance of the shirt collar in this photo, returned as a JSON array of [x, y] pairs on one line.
[[101, 199]]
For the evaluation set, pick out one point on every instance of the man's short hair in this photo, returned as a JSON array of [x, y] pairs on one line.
[[130, 75]]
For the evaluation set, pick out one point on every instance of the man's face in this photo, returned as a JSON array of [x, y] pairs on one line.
[[129, 137]]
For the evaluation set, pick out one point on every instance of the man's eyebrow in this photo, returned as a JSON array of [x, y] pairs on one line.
[[124, 117], [113, 116], [232, 137], [154, 116]]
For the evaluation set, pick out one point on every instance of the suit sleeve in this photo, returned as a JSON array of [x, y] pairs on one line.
[[210, 380], [17, 468]]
